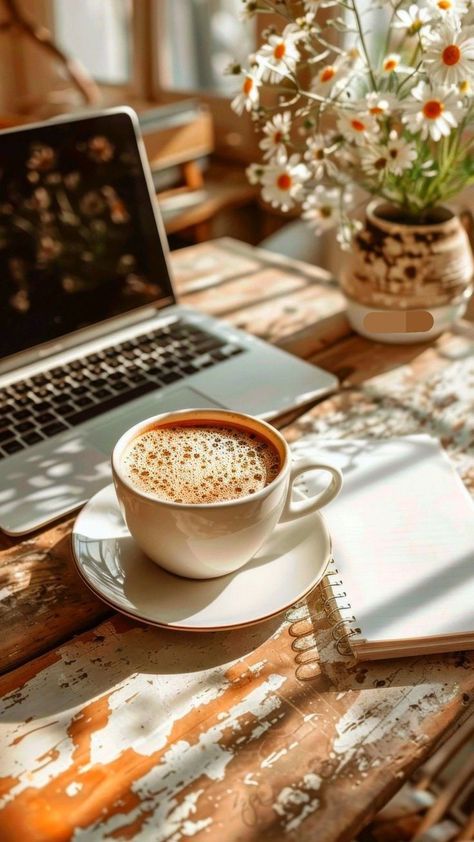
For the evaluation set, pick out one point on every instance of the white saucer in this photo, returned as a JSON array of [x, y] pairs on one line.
[[288, 567]]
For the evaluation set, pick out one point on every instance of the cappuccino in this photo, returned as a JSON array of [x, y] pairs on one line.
[[200, 463]]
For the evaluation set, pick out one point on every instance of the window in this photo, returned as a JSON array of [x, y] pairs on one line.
[[98, 35], [198, 39]]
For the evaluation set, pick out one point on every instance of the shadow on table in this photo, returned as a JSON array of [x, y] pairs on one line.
[[100, 661]]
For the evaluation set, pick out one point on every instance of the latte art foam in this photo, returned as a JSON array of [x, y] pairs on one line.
[[200, 464]]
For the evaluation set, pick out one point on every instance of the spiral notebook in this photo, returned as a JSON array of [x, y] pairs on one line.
[[403, 542]]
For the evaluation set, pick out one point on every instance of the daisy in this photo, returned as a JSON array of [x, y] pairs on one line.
[[391, 63], [254, 173], [249, 95], [379, 104], [394, 158], [317, 156], [357, 126], [278, 57], [448, 8], [401, 153], [322, 209], [276, 133], [330, 77], [449, 56], [412, 19], [433, 113], [283, 181]]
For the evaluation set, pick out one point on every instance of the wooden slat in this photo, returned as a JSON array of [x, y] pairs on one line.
[[132, 731], [286, 302], [42, 600]]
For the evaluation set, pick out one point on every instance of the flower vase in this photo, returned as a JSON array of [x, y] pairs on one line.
[[407, 282]]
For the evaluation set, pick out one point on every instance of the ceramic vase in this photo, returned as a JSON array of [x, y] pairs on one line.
[[407, 282]]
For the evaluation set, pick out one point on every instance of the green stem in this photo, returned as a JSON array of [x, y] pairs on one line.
[[363, 44]]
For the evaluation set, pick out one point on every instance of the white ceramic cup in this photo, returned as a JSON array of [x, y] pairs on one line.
[[206, 540]]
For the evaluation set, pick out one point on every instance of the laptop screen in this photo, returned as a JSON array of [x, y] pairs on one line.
[[78, 237]]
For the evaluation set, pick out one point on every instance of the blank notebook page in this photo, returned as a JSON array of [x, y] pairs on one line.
[[403, 538]]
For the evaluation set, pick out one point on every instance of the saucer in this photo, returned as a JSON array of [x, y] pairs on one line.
[[288, 566]]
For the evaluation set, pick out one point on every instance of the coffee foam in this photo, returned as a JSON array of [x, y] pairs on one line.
[[200, 464]]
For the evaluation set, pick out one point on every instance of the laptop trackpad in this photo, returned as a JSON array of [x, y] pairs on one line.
[[38, 485]]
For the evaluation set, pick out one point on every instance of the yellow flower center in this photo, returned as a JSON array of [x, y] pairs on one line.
[[327, 74], [284, 181], [390, 64], [358, 125], [279, 51], [464, 86], [433, 109], [451, 55], [247, 86], [375, 110], [445, 5]]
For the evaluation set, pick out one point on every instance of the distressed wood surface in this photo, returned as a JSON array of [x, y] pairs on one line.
[[127, 732]]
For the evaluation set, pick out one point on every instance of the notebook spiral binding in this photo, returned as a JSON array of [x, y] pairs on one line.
[[333, 604]]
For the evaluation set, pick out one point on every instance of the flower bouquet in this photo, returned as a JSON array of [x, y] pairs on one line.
[[380, 97]]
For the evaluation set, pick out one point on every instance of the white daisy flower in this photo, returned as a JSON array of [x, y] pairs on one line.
[[380, 104], [254, 173], [433, 113], [278, 57], [448, 8], [449, 56], [322, 209], [276, 132], [394, 157], [412, 19], [283, 181], [357, 126], [392, 63], [317, 156], [249, 95], [329, 77], [401, 153]]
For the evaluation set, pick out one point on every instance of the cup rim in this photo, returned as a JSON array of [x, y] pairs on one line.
[[133, 431]]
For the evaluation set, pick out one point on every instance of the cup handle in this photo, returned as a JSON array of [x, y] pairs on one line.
[[294, 509]]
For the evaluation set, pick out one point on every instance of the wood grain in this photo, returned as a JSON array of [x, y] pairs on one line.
[[42, 600], [133, 732]]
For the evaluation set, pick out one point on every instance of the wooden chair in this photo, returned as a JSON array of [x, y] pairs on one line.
[[438, 804]]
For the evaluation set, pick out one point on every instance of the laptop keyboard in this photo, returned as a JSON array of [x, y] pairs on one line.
[[56, 400]]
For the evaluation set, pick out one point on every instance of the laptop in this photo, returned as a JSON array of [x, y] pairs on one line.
[[91, 337]]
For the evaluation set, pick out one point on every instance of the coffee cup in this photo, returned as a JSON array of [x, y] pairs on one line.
[[204, 540]]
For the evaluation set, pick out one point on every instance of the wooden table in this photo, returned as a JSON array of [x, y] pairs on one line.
[[114, 730]]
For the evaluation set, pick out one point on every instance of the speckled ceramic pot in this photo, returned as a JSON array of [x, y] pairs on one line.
[[407, 282]]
